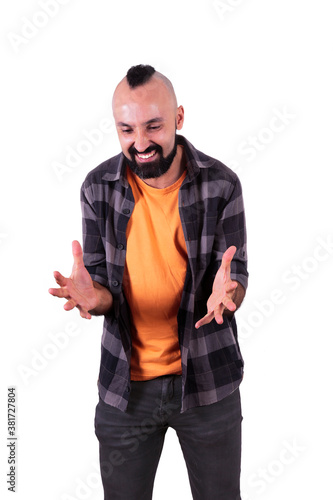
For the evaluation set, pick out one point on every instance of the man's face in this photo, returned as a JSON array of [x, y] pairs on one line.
[[147, 118]]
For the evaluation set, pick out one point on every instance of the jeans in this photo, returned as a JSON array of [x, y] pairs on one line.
[[131, 443]]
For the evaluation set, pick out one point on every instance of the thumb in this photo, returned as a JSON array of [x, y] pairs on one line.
[[228, 256], [77, 253], [226, 260]]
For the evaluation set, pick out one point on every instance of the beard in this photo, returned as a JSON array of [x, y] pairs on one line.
[[154, 168]]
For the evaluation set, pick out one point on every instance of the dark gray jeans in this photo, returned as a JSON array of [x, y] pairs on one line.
[[131, 442]]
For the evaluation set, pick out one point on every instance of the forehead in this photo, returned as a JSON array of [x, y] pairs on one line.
[[143, 103]]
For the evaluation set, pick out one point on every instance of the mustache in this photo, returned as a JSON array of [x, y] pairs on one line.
[[132, 150]]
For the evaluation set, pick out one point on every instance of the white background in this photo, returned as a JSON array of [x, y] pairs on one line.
[[235, 66]]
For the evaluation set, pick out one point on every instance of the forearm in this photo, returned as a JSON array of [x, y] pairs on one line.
[[105, 300], [239, 295], [237, 298]]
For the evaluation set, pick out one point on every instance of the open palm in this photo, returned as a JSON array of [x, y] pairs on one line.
[[78, 289], [222, 292]]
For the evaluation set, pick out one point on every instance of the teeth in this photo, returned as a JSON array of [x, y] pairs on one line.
[[144, 157]]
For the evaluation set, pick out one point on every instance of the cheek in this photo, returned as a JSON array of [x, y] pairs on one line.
[[168, 143], [125, 142], [162, 139]]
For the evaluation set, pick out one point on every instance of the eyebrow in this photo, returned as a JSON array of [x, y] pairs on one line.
[[153, 120]]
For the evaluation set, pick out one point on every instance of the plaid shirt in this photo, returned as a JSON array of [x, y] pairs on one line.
[[212, 217]]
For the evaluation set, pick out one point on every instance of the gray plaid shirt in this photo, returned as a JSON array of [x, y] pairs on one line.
[[212, 216]]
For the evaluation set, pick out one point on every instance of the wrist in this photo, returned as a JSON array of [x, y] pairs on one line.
[[238, 296], [104, 300]]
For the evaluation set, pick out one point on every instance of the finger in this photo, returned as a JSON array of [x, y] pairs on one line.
[[229, 304], [225, 301], [59, 292], [206, 319], [214, 302], [70, 304], [60, 279], [218, 312], [77, 253], [215, 299], [231, 286], [229, 253], [226, 260], [85, 315]]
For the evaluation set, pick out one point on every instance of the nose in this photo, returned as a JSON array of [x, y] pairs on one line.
[[141, 142]]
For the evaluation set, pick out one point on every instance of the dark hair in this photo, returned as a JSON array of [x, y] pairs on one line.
[[138, 75]]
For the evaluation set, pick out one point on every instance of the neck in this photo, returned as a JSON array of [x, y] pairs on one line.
[[172, 175]]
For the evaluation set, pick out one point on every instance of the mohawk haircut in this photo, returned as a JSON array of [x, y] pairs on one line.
[[138, 75]]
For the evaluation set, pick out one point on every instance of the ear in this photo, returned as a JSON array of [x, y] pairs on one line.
[[180, 118]]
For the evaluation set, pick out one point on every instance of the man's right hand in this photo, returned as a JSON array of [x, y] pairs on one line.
[[79, 289]]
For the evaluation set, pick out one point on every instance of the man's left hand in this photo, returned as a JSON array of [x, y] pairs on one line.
[[222, 297]]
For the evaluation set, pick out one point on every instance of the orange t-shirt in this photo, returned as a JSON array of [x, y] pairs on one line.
[[156, 261]]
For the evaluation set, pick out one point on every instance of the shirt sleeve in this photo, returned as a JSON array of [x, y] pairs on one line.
[[94, 257], [231, 230]]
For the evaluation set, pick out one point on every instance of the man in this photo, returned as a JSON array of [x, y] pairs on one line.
[[165, 262]]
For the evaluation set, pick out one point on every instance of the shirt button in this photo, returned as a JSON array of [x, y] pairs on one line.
[[115, 283], [126, 211], [120, 246]]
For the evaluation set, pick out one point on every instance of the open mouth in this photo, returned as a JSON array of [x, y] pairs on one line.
[[145, 157]]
